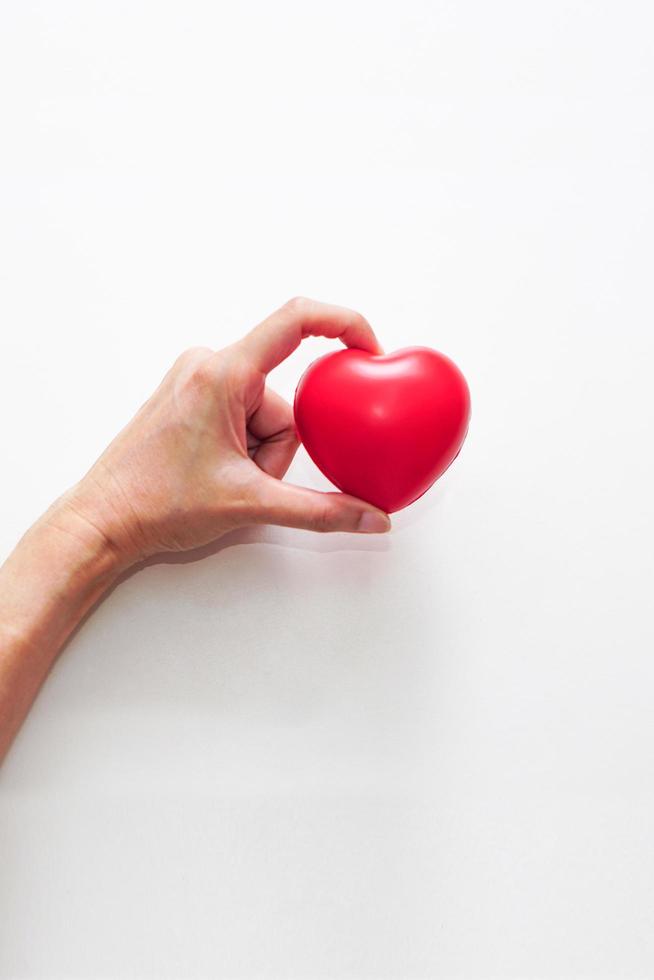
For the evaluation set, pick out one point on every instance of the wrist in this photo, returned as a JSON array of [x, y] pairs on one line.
[[97, 535], [54, 575], [89, 552]]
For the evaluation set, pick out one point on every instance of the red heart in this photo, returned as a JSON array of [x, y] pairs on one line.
[[383, 427]]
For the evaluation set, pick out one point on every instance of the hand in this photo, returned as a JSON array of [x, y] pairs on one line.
[[206, 453]]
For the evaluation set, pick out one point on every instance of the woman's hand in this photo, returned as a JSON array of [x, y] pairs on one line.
[[206, 453]]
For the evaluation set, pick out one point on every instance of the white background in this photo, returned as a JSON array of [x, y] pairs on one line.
[[428, 755]]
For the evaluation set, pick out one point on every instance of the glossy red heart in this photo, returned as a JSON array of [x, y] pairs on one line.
[[383, 427]]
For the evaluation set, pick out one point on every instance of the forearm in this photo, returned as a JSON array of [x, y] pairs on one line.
[[57, 571]]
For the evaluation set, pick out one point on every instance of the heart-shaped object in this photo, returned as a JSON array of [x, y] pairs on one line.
[[383, 427]]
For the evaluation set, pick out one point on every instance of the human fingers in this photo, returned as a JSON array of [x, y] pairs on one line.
[[292, 506], [272, 439], [271, 342]]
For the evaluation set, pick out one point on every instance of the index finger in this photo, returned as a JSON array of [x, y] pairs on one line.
[[271, 342]]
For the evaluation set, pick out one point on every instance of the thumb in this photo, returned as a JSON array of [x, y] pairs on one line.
[[293, 506]]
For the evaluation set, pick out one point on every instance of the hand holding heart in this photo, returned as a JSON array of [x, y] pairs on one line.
[[208, 451]]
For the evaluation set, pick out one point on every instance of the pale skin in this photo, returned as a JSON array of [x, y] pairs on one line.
[[204, 455]]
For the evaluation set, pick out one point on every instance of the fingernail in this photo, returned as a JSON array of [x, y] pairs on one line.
[[373, 522]]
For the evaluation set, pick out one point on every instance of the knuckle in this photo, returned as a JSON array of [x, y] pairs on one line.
[[189, 372], [192, 356], [297, 305], [357, 319], [195, 373], [203, 374], [323, 519]]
